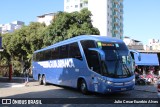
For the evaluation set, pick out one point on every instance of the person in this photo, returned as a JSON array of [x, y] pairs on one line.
[[159, 74], [26, 75]]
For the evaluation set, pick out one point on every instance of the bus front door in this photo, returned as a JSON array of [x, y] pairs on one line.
[[94, 64]]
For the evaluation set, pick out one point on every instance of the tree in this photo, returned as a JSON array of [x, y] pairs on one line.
[[66, 25], [35, 37], [6, 57], [20, 45]]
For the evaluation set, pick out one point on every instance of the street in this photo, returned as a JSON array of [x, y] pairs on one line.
[[33, 90]]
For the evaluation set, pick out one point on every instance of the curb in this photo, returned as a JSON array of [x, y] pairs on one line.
[[15, 80], [145, 90]]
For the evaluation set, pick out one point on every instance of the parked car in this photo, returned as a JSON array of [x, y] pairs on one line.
[[158, 88]]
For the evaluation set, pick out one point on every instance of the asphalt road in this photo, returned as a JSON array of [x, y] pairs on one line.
[[18, 90]]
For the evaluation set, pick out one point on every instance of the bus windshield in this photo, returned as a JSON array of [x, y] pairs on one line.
[[117, 60]]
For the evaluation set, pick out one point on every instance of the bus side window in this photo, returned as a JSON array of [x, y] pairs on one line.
[[54, 53], [47, 55], [91, 56], [41, 56], [63, 50], [74, 51]]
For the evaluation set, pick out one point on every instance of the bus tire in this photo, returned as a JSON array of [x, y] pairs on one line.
[[40, 80], [83, 87], [44, 80]]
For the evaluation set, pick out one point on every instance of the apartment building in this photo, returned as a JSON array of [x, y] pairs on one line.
[[10, 27], [107, 14], [46, 18], [153, 44]]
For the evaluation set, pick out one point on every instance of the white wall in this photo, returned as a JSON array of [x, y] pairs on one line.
[[47, 19], [98, 9], [70, 5]]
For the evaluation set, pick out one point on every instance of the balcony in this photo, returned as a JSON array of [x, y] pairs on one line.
[[115, 35], [116, 7], [116, 21], [116, 29], [116, 1], [116, 15]]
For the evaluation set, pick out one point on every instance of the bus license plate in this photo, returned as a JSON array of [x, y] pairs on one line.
[[122, 89]]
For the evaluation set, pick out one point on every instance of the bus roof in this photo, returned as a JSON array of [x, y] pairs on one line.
[[82, 37]]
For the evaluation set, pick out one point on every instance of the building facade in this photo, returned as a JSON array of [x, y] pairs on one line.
[[133, 44], [10, 27], [153, 44], [46, 18], [107, 14]]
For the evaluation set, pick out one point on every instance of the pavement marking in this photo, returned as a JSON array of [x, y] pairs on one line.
[[19, 85]]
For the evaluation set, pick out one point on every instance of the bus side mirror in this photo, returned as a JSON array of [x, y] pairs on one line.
[[101, 53], [138, 53]]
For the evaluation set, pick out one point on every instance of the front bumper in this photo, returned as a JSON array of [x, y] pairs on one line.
[[112, 89]]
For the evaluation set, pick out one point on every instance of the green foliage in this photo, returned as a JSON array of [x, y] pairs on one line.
[[20, 45], [68, 25]]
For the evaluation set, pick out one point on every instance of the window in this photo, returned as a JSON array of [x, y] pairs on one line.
[[63, 52], [47, 55], [92, 57], [40, 56], [67, 7], [81, 5], [110, 16], [76, 6], [74, 51], [55, 53], [111, 8]]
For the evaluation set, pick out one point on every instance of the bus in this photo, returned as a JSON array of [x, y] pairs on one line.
[[91, 63]]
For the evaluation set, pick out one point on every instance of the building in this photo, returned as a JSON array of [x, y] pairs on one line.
[[133, 44], [75, 5], [153, 44], [10, 27], [46, 18], [107, 14]]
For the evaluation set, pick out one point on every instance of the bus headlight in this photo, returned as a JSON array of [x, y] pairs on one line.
[[133, 80], [109, 82]]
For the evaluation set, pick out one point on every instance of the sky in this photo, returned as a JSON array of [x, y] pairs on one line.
[[141, 17]]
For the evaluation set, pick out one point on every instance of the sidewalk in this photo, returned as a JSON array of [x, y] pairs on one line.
[[14, 79], [146, 88]]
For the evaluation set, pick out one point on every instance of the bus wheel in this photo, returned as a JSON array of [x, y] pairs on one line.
[[44, 80], [40, 80], [83, 87]]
